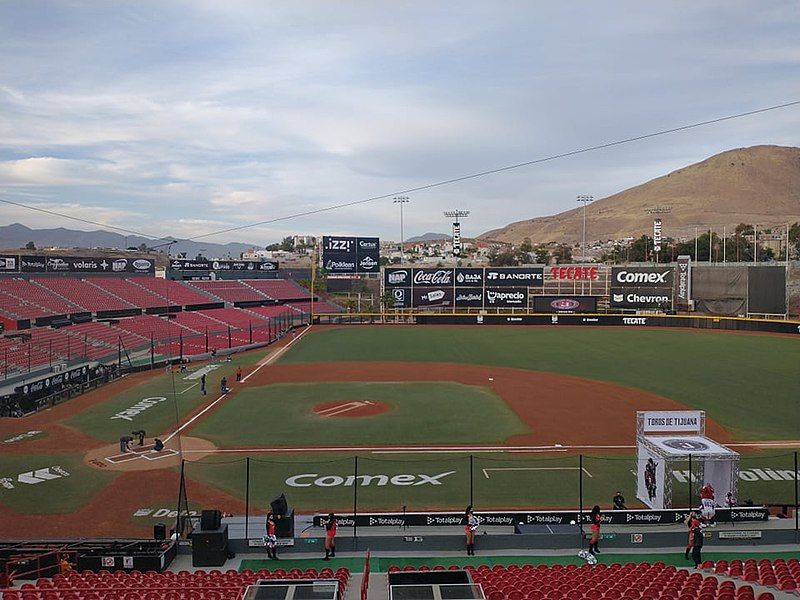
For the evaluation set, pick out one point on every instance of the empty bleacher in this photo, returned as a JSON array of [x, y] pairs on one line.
[[128, 291], [175, 293], [780, 573], [230, 291], [86, 296], [183, 585], [19, 298], [279, 289]]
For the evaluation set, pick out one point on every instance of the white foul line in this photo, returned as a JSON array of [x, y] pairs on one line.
[[486, 471], [268, 360], [188, 388]]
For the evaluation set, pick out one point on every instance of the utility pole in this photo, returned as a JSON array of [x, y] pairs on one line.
[[401, 200], [585, 199]]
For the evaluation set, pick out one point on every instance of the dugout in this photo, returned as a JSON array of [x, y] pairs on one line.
[[671, 446]]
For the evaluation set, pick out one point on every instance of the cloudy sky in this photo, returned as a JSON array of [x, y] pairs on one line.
[[186, 117]]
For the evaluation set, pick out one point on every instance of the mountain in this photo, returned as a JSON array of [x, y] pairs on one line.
[[757, 185], [15, 236], [429, 237]]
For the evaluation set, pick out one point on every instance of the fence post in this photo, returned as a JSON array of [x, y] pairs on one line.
[[152, 351], [471, 465], [230, 345], [206, 338], [250, 325], [181, 493], [247, 502], [355, 501], [180, 333], [796, 516], [689, 479], [580, 496]]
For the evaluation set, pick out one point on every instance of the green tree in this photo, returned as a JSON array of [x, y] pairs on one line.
[[273, 247], [562, 254], [794, 240], [287, 244], [541, 255], [30, 246], [526, 245], [503, 258]]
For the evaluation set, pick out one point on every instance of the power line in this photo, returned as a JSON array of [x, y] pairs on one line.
[[428, 186], [502, 169]]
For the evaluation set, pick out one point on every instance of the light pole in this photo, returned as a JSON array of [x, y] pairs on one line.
[[585, 199], [401, 200]]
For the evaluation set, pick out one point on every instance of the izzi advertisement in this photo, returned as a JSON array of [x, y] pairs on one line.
[[343, 254]]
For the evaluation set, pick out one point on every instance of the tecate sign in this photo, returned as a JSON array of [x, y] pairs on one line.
[[315, 479], [574, 273]]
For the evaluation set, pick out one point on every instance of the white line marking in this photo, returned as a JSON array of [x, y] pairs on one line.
[[158, 455], [188, 388], [266, 361], [342, 408], [486, 471], [404, 449]]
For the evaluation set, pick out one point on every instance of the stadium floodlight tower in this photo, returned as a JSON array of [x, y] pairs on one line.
[[401, 200], [585, 199], [456, 215]]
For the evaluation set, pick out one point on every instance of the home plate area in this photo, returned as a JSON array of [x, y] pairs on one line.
[[147, 452]]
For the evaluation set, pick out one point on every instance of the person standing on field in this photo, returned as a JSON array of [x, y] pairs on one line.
[[330, 537]]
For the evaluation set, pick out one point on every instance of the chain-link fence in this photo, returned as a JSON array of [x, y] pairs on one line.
[[395, 483]]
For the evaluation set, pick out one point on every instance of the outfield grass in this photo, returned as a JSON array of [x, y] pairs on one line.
[[74, 488], [499, 480], [748, 383], [420, 413], [160, 416]]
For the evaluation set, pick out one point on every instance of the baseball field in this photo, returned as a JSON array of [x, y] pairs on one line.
[[392, 416]]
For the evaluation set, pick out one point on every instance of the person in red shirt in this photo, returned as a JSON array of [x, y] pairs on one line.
[[595, 520], [271, 540], [691, 522], [330, 537]]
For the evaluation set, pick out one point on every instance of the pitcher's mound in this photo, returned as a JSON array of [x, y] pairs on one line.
[[351, 408], [144, 458]]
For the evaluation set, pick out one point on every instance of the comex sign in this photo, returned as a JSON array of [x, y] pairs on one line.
[[406, 479]]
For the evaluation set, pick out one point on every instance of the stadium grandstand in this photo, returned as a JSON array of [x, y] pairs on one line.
[[52, 320]]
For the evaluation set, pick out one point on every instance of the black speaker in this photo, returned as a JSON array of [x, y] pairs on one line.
[[210, 520], [210, 548], [279, 506], [284, 525], [159, 531]]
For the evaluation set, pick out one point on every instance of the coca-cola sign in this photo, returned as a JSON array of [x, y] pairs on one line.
[[429, 277]]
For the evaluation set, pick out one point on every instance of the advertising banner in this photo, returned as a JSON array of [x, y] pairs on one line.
[[672, 421], [180, 264], [341, 254], [510, 297], [656, 235], [77, 264], [401, 297], [511, 276], [574, 273], [650, 477], [639, 277], [640, 298], [432, 277], [456, 238], [538, 517], [469, 297], [468, 277], [684, 287], [432, 296], [565, 304], [9, 263], [396, 277]]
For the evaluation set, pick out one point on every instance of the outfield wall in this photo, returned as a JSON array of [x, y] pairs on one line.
[[554, 320]]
